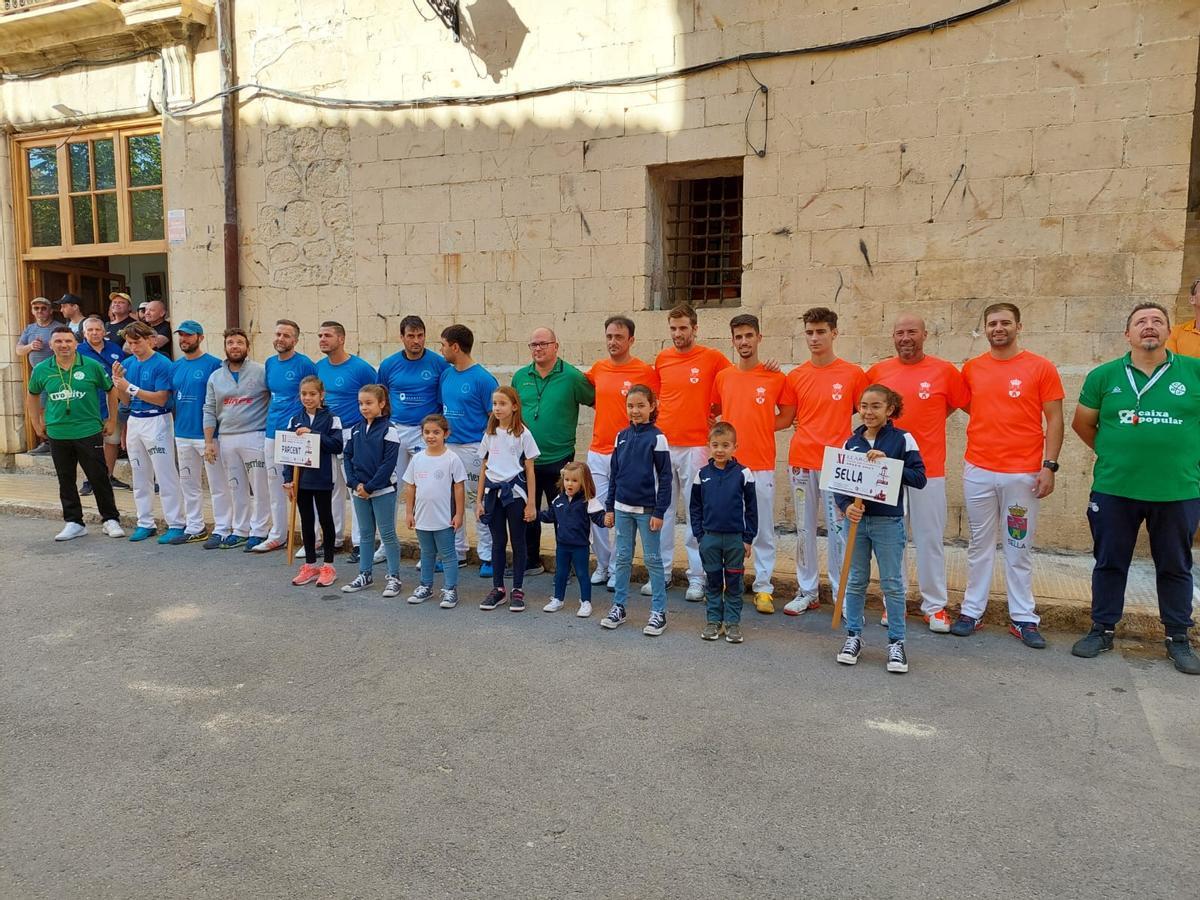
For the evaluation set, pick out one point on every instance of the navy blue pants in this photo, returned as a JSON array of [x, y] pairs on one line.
[[507, 523], [567, 557], [1171, 525]]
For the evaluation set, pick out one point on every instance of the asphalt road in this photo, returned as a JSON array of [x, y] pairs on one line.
[[182, 723]]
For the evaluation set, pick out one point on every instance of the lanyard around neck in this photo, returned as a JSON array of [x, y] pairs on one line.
[[1138, 393]]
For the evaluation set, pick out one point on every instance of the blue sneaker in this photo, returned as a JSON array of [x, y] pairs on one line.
[[140, 533], [214, 542], [234, 540], [169, 536], [252, 542], [485, 569]]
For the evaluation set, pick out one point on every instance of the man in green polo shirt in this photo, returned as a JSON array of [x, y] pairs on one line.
[[1141, 414], [76, 433], [551, 393]]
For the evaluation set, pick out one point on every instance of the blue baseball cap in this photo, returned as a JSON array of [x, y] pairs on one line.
[[189, 326]]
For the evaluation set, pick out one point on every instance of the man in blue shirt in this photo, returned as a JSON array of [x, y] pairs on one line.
[[98, 347], [34, 344], [189, 380], [466, 390], [143, 380], [285, 370], [343, 374]]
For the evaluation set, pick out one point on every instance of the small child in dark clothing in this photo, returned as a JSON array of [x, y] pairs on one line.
[[573, 512]]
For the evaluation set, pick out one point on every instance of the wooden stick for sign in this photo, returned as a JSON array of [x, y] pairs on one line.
[[292, 515], [847, 553]]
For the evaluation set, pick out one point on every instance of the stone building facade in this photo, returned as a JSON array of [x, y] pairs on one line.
[[1041, 151]]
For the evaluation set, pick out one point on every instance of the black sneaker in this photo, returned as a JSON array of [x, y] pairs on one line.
[[85, 489], [1027, 633], [965, 625], [118, 483], [352, 558], [657, 624], [897, 660], [850, 650], [516, 602], [1179, 648], [615, 617], [733, 634], [496, 597], [712, 631], [1095, 642]]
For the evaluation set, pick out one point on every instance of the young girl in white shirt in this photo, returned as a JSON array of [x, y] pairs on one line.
[[435, 496]]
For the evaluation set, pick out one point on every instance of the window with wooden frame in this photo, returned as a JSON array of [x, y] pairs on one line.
[[90, 192]]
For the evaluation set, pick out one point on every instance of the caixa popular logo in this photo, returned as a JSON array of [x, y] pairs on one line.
[[1177, 388]]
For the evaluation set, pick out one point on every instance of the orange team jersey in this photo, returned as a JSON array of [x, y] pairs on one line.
[[1185, 339], [1005, 431], [612, 383], [683, 402], [932, 389], [826, 401], [748, 401]]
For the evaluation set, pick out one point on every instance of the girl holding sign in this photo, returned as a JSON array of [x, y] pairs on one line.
[[880, 527], [314, 490]]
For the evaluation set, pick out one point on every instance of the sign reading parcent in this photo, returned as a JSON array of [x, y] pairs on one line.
[[302, 450], [850, 473]]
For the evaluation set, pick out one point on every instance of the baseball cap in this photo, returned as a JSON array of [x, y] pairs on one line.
[[39, 301], [68, 298], [143, 305], [124, 296], [189, 326]]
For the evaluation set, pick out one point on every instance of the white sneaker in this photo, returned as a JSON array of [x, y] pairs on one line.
[[553, 606], [585, 610], [611, 584], [800, 604], [647, 591], [268, 546], [299, 554], [71, 531], [599, 576], [380, 555], [695, 592], [113, 528]]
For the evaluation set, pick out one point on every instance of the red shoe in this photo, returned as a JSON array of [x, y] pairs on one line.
[[327, 576], [939, 622], [307, 575]]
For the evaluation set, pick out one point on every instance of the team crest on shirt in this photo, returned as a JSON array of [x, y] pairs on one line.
[[760, 395], [1018, 522], [1176, 387], [79, 377], [426, 374], [924, 390], [837, 391], [695, 376], [198, 375], [625, 386], [290, 375], [1014, 388]]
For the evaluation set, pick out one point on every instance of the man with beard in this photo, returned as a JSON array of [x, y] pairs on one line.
[[119, 318], [285, 370], [1010, 466], [1141, 414], [189, 379], [98, 347], [932, 389], [235, 406]]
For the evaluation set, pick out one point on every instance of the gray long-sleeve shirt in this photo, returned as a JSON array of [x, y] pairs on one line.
[[237, 406]]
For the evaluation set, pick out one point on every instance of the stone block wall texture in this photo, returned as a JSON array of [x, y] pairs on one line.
[[1039, 153]]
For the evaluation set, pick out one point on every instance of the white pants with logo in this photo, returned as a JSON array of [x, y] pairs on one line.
[[150, 444], [469, 455], [1000, 505], [808, 500], [685, 463], [925, 511], [340, 495], [762, 551], [242, 455], [602, 538], [191, 464], [278, 499]]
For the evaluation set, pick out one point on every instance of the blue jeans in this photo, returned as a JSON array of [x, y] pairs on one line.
[[437, 545], [378, 512], [566, 557], [885, 536], [723, 556], [627, 525]]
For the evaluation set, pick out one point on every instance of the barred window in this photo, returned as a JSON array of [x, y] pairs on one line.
[[704, 241]]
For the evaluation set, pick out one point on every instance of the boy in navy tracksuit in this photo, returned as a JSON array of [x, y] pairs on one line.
[[724, 517], [314, 493], [573, 512]]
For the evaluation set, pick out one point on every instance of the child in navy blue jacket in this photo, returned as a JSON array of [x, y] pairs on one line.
[[724, 516], [314, 493], [572, 513], [881, 526], [639, 492]]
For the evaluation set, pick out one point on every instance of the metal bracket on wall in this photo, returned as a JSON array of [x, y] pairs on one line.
[[447, 11]]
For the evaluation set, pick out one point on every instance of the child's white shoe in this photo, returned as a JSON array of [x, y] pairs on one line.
[[585, 610], [553, 606]]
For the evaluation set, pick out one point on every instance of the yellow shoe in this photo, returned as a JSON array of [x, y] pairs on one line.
[[764, 604]]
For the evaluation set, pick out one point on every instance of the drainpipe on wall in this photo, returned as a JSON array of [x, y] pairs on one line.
[[225, 49]]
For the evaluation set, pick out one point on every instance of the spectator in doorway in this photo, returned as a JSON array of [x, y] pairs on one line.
[[98, 347], [119, 318], [34, 345], [70, 308], [156, 317]]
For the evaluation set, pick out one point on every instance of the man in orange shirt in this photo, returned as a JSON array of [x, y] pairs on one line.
[[932, 389], [686, 371], [612, 378], [1010, 466], [1185, 337], [827, 390], [756, 402]]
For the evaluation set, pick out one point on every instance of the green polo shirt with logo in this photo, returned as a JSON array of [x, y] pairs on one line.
[[72, 404], [550, 406], [1148, 450]]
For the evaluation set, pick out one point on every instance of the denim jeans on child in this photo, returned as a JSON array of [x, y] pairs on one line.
[[885, 536], [723, 556], [566, 557], [627, 525], [437, 545], [378, 512]]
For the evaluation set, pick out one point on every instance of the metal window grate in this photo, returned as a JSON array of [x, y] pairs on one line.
[[704, 241]]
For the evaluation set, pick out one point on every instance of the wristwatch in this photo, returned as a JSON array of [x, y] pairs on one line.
[[1051, 464]]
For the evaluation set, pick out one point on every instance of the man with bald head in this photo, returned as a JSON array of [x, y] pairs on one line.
[[932, 389], [551, 393]]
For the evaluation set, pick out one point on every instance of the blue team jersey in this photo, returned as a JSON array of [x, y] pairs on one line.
[[283, 381], [106, 356], [189, 379], [412, 385], [154, 374], [342, 384], [467, 402]]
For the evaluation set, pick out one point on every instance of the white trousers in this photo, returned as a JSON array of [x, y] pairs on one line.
[[925, 511], [150, 444], [602, 538], [280, 505], [685, 463], [242, 455], [762, 551], [1000, 505], [340, 495], [469, 455], [191, 465], [808, 500]]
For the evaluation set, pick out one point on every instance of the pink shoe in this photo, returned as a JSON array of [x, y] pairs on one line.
[[327, 576], [307, 575]]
